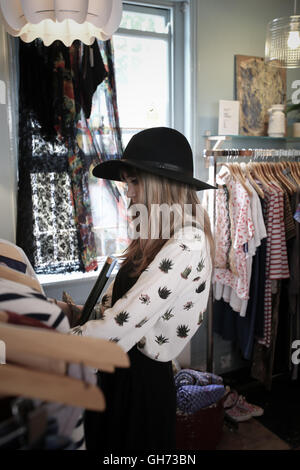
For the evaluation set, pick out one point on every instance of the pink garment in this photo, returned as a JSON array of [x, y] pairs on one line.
[[242, 230]]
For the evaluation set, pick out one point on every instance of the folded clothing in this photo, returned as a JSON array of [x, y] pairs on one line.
[[191, 398], [195, 377]]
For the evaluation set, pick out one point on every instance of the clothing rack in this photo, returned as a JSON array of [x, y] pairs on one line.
[[234, 156]]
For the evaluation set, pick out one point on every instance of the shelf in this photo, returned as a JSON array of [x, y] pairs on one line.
[[258, 137], [221, 138]]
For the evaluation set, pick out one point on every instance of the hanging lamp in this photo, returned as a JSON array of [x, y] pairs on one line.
[[64, 20], [283, 41]]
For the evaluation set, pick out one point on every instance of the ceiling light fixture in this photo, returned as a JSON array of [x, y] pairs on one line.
[[283, 41], [64, 20]]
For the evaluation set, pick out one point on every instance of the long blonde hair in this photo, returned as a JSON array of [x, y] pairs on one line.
[[159, 190]]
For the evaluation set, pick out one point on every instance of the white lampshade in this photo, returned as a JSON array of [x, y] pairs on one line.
[[65, 20]]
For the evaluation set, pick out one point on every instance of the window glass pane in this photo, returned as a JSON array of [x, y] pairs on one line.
[[155, 23], [110, 223], [142, 78]]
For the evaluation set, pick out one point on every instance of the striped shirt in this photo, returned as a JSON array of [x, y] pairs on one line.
[[11, 263], [289, 222], [24, 300], [276, 253]]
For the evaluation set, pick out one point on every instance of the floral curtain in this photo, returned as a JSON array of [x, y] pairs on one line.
[[57, 84]]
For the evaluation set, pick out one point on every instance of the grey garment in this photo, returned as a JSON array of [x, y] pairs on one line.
[[288, 174], [67, 416], [294, 281], [263, 357], [294, 284]]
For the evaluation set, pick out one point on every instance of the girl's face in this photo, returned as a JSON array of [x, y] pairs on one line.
[[133, 187]]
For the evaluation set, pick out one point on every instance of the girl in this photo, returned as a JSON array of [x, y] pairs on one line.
[[159, 296]]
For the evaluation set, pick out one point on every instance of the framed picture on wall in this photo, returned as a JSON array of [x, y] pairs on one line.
[[257, 87]]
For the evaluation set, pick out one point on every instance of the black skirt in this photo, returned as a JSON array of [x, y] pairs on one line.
[[140, 400]]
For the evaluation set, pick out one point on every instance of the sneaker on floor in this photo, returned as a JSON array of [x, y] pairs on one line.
[[254, 410], [238, 414], [231, 398]]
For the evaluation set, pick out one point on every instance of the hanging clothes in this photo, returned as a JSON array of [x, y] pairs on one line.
[[226, 292], [251, 317], [241, 231], [26, 306]]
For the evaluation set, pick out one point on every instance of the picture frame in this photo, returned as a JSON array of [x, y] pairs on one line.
[[258, 86]]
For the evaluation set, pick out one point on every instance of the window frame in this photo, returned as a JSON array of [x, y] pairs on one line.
[[140, 7], [178, 56]]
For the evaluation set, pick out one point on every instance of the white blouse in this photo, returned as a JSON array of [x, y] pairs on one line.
[[165, 307]]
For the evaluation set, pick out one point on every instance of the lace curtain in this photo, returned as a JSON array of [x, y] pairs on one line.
[[58, 149]]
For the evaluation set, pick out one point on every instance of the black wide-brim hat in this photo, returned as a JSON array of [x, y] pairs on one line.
[[159, 150]]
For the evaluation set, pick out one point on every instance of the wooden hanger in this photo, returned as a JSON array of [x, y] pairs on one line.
[[36, 362], [10, 251], [269, 174], [297, 169], [94, 352], [18, 381], [263, 171], [256, 170], [241, 177], [20, 278], [236, 176], [287, 184], [221, 173], [253, 183], [3, 316], [294, 168]]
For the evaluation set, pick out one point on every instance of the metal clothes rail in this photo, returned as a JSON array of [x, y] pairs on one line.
[[237, 156]]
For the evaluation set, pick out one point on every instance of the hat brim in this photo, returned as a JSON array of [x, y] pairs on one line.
[[111, 170]]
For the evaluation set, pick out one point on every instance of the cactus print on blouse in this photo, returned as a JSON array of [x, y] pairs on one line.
[[165, 307]]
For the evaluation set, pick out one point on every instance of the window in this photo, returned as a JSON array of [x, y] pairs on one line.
[[148, 75], [143, 60], [143, 67]]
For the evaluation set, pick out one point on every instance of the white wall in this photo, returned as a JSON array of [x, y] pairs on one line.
[[225, 28]]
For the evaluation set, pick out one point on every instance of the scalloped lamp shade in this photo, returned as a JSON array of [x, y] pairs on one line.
[[64, 20]]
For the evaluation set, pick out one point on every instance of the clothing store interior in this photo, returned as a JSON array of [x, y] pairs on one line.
[[103, 346]]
